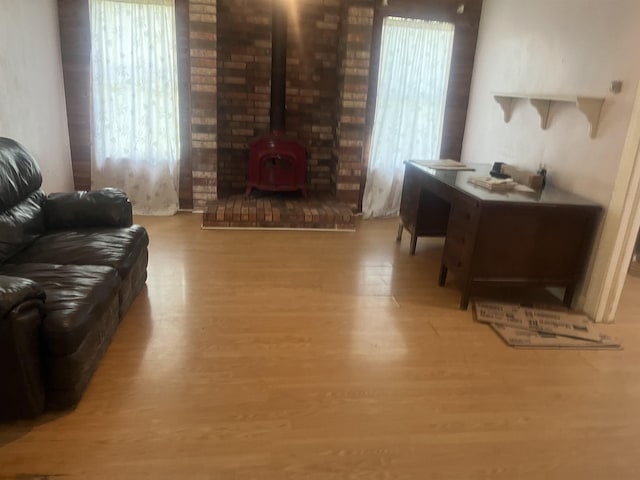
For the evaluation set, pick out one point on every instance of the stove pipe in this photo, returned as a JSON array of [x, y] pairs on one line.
[[278, 66]]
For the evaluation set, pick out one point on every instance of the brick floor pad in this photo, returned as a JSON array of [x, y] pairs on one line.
[[278, 210]]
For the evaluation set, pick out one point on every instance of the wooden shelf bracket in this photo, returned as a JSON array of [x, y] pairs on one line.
[[591, 107]]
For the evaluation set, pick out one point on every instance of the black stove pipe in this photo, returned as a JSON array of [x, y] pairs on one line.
[[278, 65]]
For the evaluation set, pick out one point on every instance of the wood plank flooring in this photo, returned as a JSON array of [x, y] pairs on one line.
[[320, 355]]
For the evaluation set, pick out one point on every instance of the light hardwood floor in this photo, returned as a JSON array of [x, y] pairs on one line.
[[320, 355]]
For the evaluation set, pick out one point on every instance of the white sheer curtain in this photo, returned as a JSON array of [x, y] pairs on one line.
[[415, 57], [135, 102]]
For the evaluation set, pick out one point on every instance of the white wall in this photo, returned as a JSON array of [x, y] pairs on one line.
[[555, 47], [32, 101]]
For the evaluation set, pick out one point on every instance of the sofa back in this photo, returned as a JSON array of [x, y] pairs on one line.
[[21, 215]]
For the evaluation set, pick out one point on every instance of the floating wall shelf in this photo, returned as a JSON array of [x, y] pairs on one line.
[[589, 106]]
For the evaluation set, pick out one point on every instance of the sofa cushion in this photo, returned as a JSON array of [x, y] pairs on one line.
[[21, 224], [19, 174], [21, 217], [76, 297], [107, 207], [112, 247]]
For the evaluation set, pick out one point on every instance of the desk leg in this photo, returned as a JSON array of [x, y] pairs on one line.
[[568, 296], [466, 294], [414, 240], [400, 229], [464, 300], [443, 275]]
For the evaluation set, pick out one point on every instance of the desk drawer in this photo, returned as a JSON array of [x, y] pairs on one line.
[[461, 234], [459, 242], [458, 250], [464, 214]]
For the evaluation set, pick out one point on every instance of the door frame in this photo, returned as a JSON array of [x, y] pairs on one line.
[[619, 232]]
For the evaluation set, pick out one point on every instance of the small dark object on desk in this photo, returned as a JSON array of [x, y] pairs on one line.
[[542, 171], [496, 171]]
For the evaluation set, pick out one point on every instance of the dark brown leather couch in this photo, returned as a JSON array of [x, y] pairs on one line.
[[71, 264]]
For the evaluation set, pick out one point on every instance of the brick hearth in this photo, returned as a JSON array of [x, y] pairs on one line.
[[278, 210]]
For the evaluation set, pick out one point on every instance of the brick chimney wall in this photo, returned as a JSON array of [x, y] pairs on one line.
[[244, 70], [203, 96], [312, 84], [244, 66], [351, 104]]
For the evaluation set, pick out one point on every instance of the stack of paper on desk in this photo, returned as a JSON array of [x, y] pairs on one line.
[[494, 184], [443, 164]]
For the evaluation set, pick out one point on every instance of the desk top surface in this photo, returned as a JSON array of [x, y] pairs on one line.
[[459, 180]]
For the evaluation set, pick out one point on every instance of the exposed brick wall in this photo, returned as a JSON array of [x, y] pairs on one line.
[[244, 72], [203, 46], [352, 106], [312, 84], [244, 65]]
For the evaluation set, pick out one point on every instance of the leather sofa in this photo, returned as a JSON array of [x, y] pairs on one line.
[[71, 264]]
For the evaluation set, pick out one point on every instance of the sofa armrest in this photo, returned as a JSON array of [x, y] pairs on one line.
[[15, 291], [21, 313], [108, 207]]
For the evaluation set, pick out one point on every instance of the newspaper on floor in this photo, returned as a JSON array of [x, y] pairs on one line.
[[529, 339], [554, 322], [534, 327]]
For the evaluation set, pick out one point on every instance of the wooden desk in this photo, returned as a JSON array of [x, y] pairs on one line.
[[513, 238]]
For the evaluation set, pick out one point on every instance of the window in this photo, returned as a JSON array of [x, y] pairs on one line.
[[413, 77], [134, 100]]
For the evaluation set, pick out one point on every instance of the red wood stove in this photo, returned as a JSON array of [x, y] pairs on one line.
[[277, 162]]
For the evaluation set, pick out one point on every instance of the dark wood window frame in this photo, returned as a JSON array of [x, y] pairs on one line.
[[462, 59], [75, 46]]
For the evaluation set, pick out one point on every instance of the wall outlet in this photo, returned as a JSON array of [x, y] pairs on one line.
[[616, 86]]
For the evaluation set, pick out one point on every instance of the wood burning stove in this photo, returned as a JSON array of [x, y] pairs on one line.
[[277, 162]]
